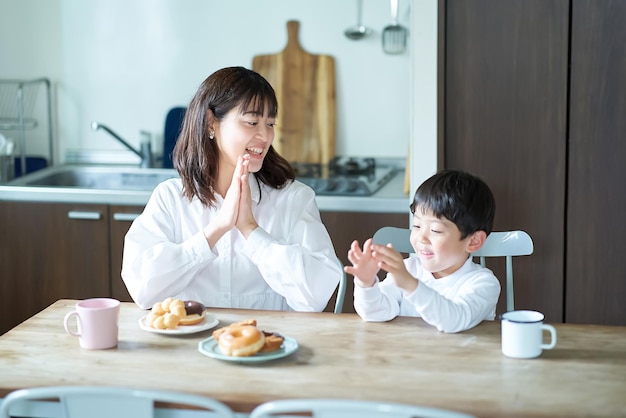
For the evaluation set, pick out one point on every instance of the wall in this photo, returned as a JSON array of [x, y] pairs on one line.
[[424, 99], [125, 63], [30, 48]]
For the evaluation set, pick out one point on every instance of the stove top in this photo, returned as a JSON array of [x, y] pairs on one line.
[[344, 176]]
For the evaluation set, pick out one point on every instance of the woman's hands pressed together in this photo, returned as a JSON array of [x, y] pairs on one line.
[[237, 208], [245, 222]]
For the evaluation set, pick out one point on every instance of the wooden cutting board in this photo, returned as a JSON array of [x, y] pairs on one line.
[[305, 88]]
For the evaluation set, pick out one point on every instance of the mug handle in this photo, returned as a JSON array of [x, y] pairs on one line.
[[66, 324], [552, 331]]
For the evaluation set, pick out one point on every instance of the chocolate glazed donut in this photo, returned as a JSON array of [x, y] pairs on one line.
[[195, 313]]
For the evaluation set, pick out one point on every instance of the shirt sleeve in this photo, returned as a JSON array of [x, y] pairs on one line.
[[473, 302], [383, 301], [156, 262], [302, 266], [373, 305]]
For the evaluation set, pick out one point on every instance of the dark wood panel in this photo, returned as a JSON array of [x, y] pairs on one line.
[[345, 227], [45, 256], [595, 270], [505, 121], [441, 83], [118, 230]]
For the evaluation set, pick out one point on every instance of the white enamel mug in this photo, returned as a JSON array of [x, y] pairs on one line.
[[522, 334]]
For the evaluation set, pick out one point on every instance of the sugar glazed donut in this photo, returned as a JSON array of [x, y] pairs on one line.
[[273, 340], [166, 314], [241, 341]]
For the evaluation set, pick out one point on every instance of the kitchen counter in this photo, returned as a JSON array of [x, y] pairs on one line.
[[389, 199]]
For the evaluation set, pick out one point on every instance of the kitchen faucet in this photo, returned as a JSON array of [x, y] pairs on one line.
[[145, 152]]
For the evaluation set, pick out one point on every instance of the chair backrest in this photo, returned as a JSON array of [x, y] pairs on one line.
[[337, 408], [341, 292], [173, 124], [398, 237], [106, 402], [506, 244]]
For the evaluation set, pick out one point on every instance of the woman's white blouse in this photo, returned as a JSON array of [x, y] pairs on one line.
[[287, 263]]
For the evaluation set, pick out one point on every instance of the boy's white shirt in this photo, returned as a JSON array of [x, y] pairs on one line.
[[454, 303]]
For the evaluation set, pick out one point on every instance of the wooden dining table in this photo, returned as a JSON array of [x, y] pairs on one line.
[[338, 356]]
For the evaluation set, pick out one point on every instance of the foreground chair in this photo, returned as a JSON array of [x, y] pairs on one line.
[[105, 402], [498, 244], [337, 408]]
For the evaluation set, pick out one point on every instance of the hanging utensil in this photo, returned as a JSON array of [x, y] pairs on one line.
[[358, 31], [394, 35]]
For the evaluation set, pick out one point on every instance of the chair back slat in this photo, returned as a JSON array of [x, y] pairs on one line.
[[105, 401], [349, 408]]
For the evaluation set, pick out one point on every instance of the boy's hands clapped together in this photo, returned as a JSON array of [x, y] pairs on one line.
[[367, 262], [364, 266]]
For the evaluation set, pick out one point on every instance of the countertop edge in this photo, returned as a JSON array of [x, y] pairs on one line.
[[389, 199], [134, 198]]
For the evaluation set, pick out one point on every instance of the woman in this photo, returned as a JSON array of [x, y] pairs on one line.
[[236, 230]]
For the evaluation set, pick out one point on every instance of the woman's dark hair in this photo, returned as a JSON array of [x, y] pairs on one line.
[[196, 157], [460, 197]]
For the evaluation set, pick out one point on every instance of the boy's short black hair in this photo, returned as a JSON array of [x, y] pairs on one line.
[[460, 197]]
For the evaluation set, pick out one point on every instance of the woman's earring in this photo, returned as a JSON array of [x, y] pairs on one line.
[[211, 135]]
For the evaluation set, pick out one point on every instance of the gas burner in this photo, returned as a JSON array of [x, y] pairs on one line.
[[312, 170], [344, 176], [351, 165]]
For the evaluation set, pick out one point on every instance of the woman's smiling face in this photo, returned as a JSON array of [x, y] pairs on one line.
[[244, 131]]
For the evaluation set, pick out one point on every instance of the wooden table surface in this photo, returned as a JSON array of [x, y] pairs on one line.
[[339, 356]]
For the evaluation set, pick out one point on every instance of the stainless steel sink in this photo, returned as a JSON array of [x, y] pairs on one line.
[[97, 177]]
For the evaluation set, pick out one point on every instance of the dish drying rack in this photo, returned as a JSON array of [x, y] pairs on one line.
[[18, 99]]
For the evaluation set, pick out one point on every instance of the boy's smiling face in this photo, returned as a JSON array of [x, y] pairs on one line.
[[438, 244]]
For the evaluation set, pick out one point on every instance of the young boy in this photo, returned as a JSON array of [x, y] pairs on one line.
[[453, 213]]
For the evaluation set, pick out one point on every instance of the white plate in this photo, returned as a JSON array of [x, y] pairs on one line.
[[209, 347], [209, 322]]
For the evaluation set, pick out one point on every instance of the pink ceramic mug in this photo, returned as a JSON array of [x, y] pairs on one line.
[[97, 322]]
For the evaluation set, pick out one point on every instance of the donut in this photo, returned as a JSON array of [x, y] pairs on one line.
[[166, 314], [273, 341], [163, 321], [218, 332], [171, 312], [241, 341], [194, 313], [174, 306]]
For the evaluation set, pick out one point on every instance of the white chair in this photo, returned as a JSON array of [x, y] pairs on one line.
[[337, 408], [507, 244], [398, 237], [341, 292], [104, 402]]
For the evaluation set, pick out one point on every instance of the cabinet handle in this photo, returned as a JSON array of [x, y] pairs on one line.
[[74, 214], [125, 217]]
